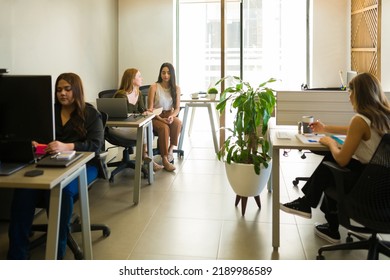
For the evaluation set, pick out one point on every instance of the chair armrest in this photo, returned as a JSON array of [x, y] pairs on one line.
[[102, 165], [335, 167]]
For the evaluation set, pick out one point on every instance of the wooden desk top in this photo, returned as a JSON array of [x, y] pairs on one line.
[[294, 142], [187, 98], [139, 122], [50, 178]]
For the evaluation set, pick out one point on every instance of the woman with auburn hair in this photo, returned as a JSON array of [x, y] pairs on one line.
[[365, 131], [129, 89]]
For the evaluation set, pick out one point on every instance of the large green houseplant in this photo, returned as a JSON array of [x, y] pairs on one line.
[[252, 108]]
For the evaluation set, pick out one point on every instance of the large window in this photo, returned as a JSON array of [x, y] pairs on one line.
[[273, 42]]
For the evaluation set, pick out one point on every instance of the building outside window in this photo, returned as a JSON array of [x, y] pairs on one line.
[[274, 42]]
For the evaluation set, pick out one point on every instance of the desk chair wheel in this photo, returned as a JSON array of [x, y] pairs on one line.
[[106, 232], [297, 179]]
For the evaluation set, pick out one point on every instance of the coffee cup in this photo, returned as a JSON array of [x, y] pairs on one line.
[[303, 125], [195, 95]]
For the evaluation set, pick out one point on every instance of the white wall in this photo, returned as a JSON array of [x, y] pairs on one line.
[[330, 41], [51, 37], [146, 30]]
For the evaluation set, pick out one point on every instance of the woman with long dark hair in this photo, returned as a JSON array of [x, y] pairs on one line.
[[78, 127], [165, 94]]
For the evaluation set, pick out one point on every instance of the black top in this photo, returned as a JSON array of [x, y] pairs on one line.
[[94, 140]]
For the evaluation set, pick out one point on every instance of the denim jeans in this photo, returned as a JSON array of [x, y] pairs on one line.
[[22, 215]]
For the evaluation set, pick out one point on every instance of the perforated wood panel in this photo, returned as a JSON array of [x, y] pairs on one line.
[[365, 36]]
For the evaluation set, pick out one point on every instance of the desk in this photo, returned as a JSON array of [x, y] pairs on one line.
[[276, 146], [194, 103], [140, 123], [55, 179]]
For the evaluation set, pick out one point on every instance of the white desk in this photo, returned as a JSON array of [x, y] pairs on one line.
[[194, 103], [276, 146], [140, 123], [54, 180]]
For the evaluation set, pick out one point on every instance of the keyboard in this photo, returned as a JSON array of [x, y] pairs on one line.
[[284, 134]]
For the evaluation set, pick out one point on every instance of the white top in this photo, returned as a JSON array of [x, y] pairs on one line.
[[163, 98], [366, 149]]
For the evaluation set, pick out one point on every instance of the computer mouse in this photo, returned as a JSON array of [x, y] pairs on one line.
[[33, 173]]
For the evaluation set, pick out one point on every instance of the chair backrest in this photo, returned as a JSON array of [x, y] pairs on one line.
[[101, 158], [107, 93], [368, 203], [145, 90]]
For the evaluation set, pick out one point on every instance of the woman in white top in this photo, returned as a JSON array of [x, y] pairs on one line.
[[165, 94], [371, 122]]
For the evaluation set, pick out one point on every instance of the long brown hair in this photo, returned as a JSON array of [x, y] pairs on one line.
[[77, 117], [172, 80], [370, 101], [127, 80]]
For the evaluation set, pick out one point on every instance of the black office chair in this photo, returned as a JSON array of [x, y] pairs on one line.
[[366, 208], [144, 90], [75, 225], [127, 145]]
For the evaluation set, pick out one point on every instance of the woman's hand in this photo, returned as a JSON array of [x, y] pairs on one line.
[[328, 141], [58, 147], [317, 126]]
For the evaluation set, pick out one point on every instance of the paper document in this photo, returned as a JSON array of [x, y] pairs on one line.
[[310, 138]]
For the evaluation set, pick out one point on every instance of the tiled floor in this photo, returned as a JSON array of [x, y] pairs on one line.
[[190, 213]]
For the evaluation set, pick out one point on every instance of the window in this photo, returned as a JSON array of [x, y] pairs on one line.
[[274, 42]]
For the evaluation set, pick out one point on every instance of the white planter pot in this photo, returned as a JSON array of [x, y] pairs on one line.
[[212, 96], [243, 179]]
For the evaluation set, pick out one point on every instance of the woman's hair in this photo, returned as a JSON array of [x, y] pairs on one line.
[[77, 118], [370, 101], [172, 80], [127, 79]]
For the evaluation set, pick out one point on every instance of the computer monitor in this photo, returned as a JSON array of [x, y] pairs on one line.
[[350, 76], [26, 108]]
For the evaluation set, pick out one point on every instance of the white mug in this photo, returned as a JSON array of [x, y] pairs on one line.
[[195, 95], [303, 125]]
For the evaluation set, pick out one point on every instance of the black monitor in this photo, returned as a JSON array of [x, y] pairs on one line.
[[26, 108]]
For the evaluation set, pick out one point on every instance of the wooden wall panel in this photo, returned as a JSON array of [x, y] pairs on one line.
[[365, 36]]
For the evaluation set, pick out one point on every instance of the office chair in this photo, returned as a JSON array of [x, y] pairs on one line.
[[127, 145], [75, 225], [144, 90], [366, 208]]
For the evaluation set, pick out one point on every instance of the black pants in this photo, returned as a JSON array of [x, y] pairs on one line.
[[321, 179]]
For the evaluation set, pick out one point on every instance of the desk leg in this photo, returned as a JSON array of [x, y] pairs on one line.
[[53, 223], [150, 151], [191, 121], [213, 130], [84, 211], [183, 129], [275, 199], [138, 163]]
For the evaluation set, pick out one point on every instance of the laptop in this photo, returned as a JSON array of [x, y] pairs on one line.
[[14, 155], [53, 161], [115, 108]]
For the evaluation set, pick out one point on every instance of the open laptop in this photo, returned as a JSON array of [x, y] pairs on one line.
[[14, 155], [115, 108]]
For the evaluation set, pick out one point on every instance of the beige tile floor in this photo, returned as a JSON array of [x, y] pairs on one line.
[[190, 214]]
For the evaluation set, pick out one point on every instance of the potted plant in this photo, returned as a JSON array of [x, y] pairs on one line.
[[212, 93], [247, 147]]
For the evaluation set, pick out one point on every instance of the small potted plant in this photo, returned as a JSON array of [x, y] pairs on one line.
[[212, 93], [245, 151]]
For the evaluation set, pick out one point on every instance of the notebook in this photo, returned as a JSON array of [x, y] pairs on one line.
[[14, 155], [115, 108], [54, 161]]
